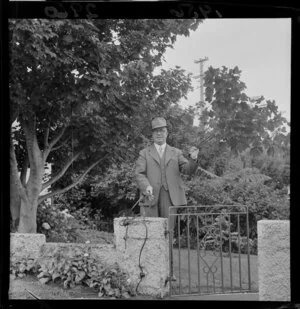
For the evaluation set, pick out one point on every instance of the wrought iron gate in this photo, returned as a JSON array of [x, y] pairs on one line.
[[209, 250]]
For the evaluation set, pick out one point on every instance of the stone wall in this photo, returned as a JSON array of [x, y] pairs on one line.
[[131, 252], [274, 260], [26, 245], [104, 253]]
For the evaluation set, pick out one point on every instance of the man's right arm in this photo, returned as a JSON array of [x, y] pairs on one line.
[[141, 172]]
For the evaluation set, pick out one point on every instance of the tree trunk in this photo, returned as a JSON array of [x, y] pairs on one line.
[[31, 190], [15, 204], [15, 190], [29, 200], [27, 222]]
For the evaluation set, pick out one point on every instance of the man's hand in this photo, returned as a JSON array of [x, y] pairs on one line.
[[149, 193], [194, 152]]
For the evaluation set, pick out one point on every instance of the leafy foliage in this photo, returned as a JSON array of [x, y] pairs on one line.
[[214, 233], [242, 188], [84, 270], [78, 203], [276, 167], [118, 187], [59, 228], [77, 105], [237, 119], [263, 203], [19, 268], [81, 269]]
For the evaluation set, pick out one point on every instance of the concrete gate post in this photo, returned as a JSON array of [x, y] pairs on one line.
[[150, 256], [274, 260]]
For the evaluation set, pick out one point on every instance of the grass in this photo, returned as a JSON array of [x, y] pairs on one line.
[[210, 272], [20, 288]]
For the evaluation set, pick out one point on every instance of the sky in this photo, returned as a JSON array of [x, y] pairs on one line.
[[261, 48]]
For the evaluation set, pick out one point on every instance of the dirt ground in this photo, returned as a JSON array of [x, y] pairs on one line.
[[29, 287]]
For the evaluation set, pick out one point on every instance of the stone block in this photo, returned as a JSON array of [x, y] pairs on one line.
[[274, 260], [26, 245]]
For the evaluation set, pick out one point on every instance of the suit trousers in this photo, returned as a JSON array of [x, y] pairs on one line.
[[164, 202]]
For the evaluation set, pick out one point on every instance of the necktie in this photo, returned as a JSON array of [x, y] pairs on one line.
[[160, 151]]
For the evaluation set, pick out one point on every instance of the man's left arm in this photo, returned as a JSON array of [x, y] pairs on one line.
[[188, 166]]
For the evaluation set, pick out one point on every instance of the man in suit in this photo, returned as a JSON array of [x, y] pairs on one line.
[[158, 171]]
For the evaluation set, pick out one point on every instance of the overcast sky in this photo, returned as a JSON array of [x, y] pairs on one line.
[[261, 48]]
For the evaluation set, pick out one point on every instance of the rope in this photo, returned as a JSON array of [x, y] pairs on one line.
[[142, 274]]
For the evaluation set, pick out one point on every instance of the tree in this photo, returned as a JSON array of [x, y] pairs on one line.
[[236, 119], [76, 87]]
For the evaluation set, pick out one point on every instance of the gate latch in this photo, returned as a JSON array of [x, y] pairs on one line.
[[168, 279]]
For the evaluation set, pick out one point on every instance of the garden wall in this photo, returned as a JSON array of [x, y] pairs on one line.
[[142, 250], [145, 261]]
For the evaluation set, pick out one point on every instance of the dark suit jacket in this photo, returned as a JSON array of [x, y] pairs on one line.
[[148, 172]]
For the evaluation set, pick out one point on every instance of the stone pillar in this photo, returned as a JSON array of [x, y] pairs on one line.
[[26, 245], [152, 255], [274, 260]]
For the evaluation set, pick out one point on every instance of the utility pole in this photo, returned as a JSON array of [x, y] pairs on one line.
[[201, 78]]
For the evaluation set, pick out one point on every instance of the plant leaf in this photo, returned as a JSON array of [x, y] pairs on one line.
[[125, 295], [55, 275], [44, 280]]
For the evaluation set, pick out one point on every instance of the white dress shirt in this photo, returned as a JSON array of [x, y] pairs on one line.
[[162, 147]]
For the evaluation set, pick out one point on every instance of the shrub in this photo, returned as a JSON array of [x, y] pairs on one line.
[[277, 167], [102, 197], [80, 269], [263, 203], [20, 267], [247, 188], [117, 187], [78, 202], [55, 224], [210, 235], [207, 192]]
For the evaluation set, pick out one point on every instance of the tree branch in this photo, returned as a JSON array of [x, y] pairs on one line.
[[14, 169], [47, 150], [207, 138], [58, 137], [13, 116], [33, 150], [75, 183], [62, 144], [24, 171], [207, 173], [61, 172], [46, 137]]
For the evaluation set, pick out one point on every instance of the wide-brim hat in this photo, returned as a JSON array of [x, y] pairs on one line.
[[158, 122]]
